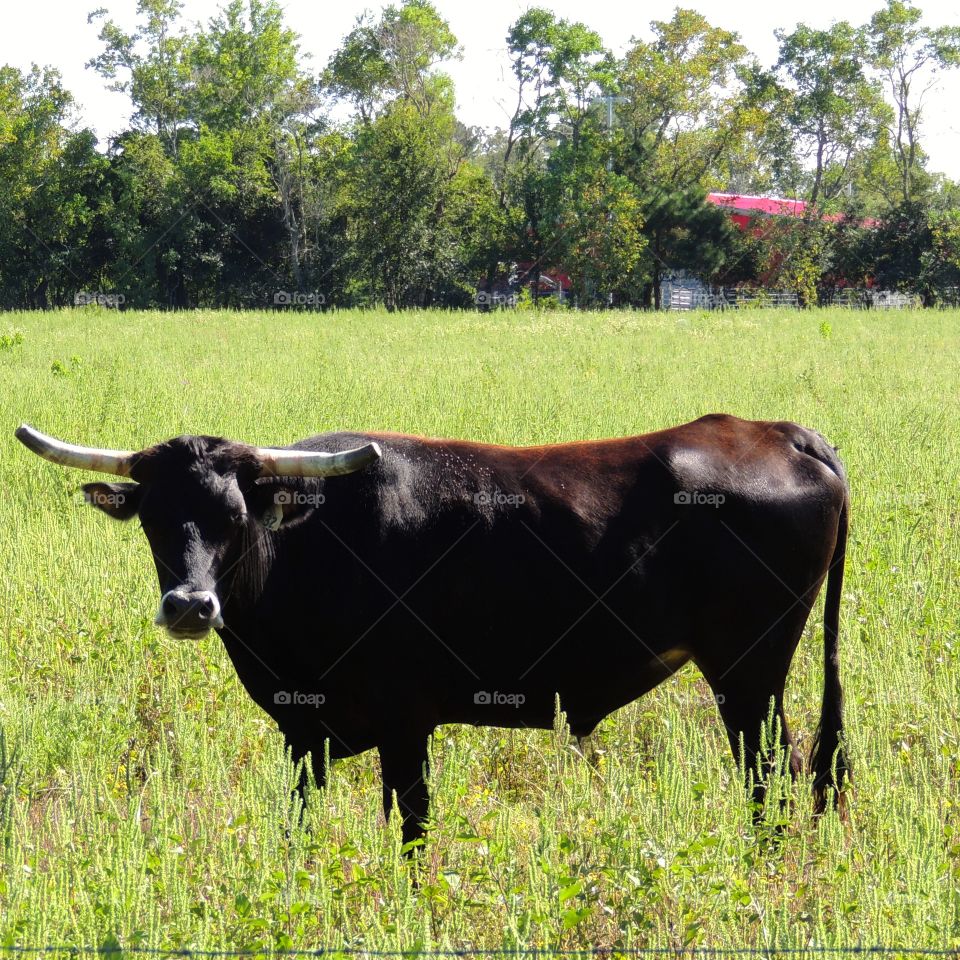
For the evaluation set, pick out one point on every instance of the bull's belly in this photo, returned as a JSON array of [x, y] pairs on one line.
[[587, 693]]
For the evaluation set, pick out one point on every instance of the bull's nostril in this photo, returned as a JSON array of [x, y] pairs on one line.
[[189, 612]]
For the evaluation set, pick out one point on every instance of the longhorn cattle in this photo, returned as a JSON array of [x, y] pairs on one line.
[[370, 586]]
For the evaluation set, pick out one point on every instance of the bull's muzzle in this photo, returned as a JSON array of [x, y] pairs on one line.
[[189, 613]]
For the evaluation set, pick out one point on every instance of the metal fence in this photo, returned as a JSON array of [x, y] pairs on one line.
[[862, 299], [683, 297], [728, 298]]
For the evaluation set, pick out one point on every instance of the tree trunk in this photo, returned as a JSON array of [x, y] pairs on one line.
[[286, 186]]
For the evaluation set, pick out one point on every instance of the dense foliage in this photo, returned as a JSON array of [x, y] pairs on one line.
[[247, 178]]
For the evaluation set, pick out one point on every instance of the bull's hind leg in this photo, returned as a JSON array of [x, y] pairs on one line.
[[588, 741], [744, 715], [589, 747], [744, 691]]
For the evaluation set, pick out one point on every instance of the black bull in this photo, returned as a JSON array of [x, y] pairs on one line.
[[456, 582]]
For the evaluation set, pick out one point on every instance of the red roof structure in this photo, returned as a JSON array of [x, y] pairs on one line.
[[744, 208]]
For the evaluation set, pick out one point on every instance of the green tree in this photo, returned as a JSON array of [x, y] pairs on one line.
[[148, 194], [55, 207], [939, 275], [684, 233], [682, 100], [402, 168], [251, 91], [909, 56], [829, 108], [395, 57], [605, 240], [560, 68], [683, 106], [152, 66], [238, 116]]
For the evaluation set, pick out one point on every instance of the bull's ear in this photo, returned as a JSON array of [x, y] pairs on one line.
[[118, 500], [277, 504]]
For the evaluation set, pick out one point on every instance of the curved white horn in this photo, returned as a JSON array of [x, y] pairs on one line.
[[310, 463], [116, 462]]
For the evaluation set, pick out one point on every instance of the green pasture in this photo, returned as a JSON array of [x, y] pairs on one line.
[[144, 799]]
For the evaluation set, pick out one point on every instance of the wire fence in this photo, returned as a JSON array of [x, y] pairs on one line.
[[607, 953]]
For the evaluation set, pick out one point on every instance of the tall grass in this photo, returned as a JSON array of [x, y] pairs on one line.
[[144, 800]]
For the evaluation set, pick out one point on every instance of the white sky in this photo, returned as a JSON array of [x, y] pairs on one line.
[[56, 32]]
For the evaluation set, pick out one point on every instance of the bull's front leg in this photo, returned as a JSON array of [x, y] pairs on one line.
[[404, 763]]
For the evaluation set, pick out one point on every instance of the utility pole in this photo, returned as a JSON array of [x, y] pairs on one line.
[[610, 99]]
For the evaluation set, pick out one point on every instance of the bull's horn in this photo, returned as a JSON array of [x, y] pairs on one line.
[[116, 462], [310, 463]]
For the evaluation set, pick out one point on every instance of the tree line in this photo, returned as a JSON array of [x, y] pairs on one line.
[[248, 177]]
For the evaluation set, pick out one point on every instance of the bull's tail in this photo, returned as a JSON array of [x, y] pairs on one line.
[[829, 761]]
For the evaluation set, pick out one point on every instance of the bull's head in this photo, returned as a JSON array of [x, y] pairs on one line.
[[197, 499]]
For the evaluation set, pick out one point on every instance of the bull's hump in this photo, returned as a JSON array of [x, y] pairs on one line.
[[729, 455]]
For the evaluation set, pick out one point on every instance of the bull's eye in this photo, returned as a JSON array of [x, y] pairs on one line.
[[237, 519]]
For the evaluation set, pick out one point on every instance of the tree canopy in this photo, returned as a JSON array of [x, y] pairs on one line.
[[249, 176]]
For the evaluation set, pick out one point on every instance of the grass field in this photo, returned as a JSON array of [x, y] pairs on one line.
[[145, 799]]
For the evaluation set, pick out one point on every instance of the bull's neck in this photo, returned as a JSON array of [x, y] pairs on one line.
[[244, 583]]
